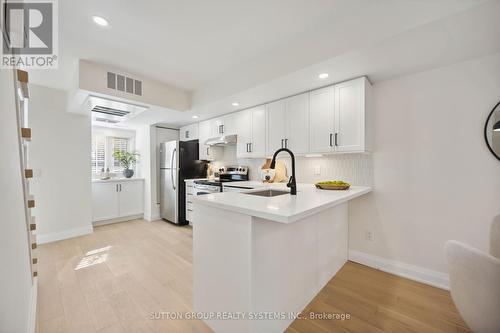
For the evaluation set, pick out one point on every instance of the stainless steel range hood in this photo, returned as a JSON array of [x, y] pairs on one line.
[[225, 140]]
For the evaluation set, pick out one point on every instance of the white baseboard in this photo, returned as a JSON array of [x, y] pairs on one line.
[[412, 272], [117, 220], [151, 218], [65, 234], [32, 310]]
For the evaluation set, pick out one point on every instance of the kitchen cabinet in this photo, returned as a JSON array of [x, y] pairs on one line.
[[276, 128], [297, 123], [251, 130], [288, 124], [338, 117], [189, 132], [189, 200], [117, 199], [321, 115], [224, 125], [209, 153], [350, 115]]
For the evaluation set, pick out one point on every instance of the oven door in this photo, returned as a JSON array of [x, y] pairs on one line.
[[205, 189]]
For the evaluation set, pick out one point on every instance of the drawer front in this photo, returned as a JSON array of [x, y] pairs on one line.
[[189, 215]]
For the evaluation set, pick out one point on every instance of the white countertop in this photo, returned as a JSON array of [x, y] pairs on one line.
[[282, 208], [112, 180]]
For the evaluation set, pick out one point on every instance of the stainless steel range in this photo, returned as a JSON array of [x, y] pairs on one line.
[[231, 173]]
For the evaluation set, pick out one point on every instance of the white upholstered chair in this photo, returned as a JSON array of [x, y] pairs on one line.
[[475, 282]]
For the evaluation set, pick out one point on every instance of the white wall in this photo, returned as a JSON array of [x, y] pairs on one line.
[[435, 179], [61, 161], [18, 295]]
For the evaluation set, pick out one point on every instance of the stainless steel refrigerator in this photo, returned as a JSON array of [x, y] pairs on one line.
[[178, 161]]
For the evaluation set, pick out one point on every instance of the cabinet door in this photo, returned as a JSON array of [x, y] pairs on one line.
[[229, 124], [204, 133], [189, 132], [350, 115], [321, 118], [217, 127], [258, 142], [297, 123], [275, 126], [104, 201], [131, 198], [243, 124]]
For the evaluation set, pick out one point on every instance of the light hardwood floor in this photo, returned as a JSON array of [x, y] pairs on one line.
[[114, 279]]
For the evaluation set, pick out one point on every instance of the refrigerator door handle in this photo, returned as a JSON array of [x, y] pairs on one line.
[[172, 168]]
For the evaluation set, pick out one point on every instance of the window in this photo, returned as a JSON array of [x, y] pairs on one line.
[[98, 154], [117, 144], [103, 148]]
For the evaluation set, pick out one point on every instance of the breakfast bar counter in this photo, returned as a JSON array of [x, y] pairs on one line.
[[266, 257]]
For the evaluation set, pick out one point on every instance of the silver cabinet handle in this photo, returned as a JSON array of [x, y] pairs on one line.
[[120, 187], [208, 151], [223, 129], [247, 148], [187, 134], [282, 143], [336, 139], [331, 144], [251, 146], [116, 187], [286, 143]]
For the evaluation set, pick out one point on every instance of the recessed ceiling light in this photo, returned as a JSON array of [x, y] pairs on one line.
[[323, 75], [195, 117], [235, 104], [100, 21]]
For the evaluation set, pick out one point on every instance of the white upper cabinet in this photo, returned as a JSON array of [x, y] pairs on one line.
[[251, 128], [244, 128], [288, 124], [327, 120], [208, 153], [276, 126], [216, 127], [321, 114], [350, 115], [297, 123], [258, 143], [229, 124], [189, 132], [338, 117]]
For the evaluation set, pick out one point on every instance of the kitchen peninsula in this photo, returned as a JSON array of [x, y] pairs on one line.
[[267, 254]]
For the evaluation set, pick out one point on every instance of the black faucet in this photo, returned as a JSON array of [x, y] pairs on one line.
[[292, 184]]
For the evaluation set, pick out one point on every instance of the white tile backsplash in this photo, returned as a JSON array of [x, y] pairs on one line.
[[356, 169]]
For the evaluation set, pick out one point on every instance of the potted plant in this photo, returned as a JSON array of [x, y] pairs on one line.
[[127, 160]]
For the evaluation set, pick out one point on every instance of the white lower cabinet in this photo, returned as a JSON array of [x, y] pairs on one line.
[[189, 201], [117, 199]]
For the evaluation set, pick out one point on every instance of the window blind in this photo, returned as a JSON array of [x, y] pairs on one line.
[[98, 154]]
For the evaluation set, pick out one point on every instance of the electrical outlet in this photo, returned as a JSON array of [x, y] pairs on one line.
[[317, 170], [370, 236]]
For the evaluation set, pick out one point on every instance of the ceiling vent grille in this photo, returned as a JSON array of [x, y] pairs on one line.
[[110, 111], [123, 83]]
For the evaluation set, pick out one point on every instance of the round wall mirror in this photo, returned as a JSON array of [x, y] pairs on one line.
[[492, 131]]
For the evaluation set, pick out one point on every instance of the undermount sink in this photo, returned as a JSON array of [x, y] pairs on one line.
[[268, 193]]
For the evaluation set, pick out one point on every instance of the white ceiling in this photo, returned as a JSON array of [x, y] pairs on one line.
[[222, 48]]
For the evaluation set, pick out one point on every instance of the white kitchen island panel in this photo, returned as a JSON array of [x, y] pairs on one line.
[[253, 266]]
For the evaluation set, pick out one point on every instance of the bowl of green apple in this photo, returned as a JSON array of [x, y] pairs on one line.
[[333, 185]]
